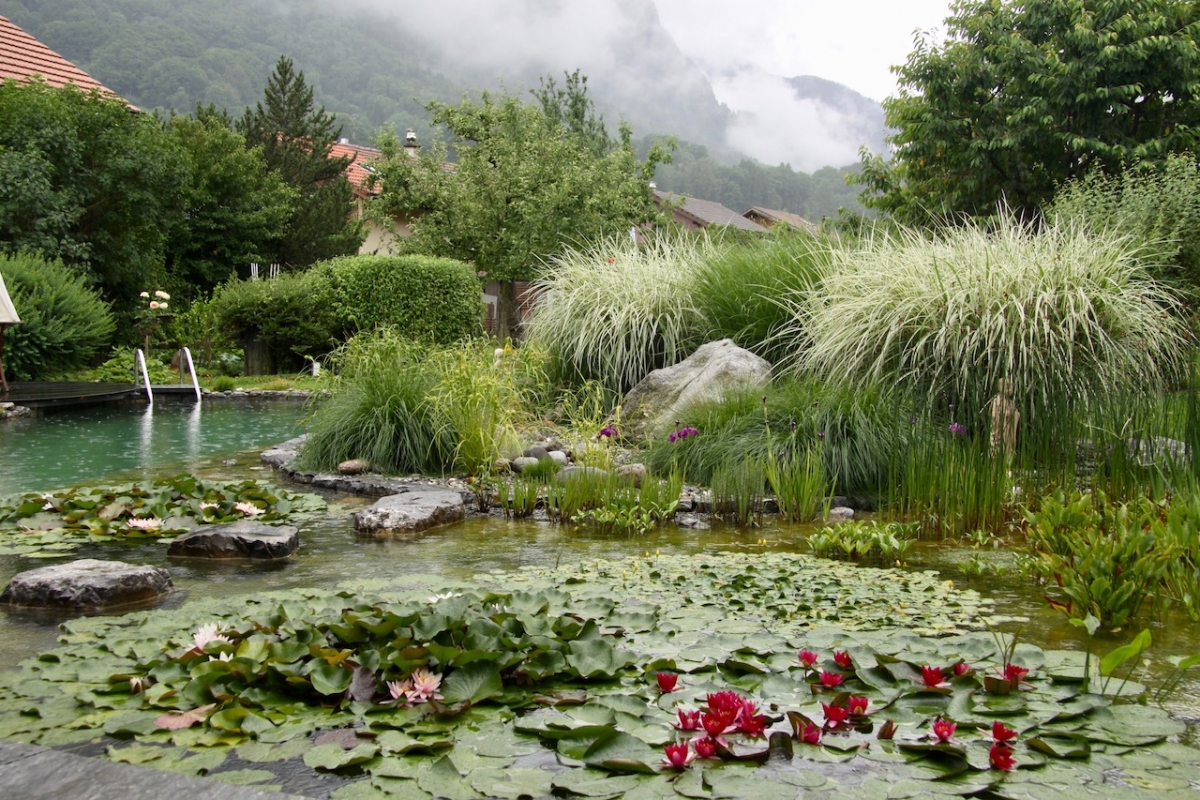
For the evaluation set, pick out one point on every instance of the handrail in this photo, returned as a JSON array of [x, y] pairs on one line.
[[141, 362], [192, 371]]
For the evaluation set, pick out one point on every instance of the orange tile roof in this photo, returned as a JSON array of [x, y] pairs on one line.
[[359, 169], [22, 57]]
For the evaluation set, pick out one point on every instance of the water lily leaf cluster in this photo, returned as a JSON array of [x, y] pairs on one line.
[[549, 684], [40, 524]]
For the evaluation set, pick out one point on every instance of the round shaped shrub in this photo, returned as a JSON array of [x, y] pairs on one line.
[[63, 321], [292, 314]]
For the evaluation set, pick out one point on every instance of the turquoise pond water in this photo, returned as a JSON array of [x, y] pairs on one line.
[[96, 444]]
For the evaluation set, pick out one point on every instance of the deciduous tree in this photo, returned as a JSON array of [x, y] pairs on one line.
[[1021, 96]]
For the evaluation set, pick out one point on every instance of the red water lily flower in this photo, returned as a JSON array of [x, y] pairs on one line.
[[831, 680], [678, 755], [1014, 674], [688, 720], [706, 747], [715, 722], [943, 729], [962, 668], [834, 715], [808, 659], [1002, 733], [725, 701], [842, 659], [811, 734], [1001, 757], [666, 681], [753, 725], [857, 705], [932, 676]]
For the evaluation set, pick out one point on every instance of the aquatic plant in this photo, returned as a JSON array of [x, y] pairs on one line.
[[864, 541]]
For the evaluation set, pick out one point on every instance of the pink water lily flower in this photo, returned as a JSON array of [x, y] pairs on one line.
[[933, 677], [677, 756], [207, 634], [857, 705], [1014, 674], [717, 722], [688, 720], [834, 715], [808, 659], [666, 681], [1001, 757], [962, 668], [811, 734], [425, 685], [706, 747], [842, 659], [399, 690], [1002, 733], [831, 680]]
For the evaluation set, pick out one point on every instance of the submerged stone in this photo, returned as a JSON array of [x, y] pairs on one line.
[[413, 509], [87, 583], [243, 539]]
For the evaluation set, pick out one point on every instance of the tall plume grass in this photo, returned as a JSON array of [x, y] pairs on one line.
[[1064, 314], [614, 310]]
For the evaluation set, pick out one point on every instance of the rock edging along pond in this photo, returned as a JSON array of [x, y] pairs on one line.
[[718, 675]]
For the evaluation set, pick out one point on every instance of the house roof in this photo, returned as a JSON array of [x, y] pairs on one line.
[[771, 216], [359, 170], [706, 212], [22, 57]]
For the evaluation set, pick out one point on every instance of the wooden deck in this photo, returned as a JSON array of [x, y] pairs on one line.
[[50, 394]]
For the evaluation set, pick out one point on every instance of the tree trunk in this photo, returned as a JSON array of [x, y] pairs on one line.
[[508, 313]]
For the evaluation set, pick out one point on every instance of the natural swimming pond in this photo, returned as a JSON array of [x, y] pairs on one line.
[[333, 554], [95, 444]]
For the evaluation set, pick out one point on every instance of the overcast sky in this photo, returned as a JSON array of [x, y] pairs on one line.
[[853, 42]]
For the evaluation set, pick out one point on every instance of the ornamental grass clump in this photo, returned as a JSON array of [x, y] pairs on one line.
[[614, 310], [1065, 315]]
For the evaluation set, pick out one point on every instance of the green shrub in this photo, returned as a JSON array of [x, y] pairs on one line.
[[435, 300], [292, 314], [123, 368], [63, 322], [614, 310], [869, 542], [1158, 208], [739, 290]]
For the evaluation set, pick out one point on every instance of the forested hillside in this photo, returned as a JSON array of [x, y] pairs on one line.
[[371, 71]]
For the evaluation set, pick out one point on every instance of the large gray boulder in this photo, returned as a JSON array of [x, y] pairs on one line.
[[87, 583], [412, 509], [712, 372], [242, 539]]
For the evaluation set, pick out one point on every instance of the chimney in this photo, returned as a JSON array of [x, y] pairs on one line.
[[410, 139], [344, 140]]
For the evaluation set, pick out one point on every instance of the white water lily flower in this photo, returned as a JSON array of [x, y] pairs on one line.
[[249, 509], [209, 505], [144, 523], [138, 683], [439, 597], [208, 633]]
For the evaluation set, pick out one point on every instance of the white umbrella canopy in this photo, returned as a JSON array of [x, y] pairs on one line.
[[8, 313], [8, 316]]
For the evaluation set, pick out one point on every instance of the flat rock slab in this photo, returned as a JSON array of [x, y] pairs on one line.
[[242, 539], [87, 583], [415, 508]]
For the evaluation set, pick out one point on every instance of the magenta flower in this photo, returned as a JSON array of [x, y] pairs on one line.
[[842, 659], [716, 722], [808, 659], [1001, 733], [706, 747], [666, 681], [957, 428], [677, 756], [1014, 674], [962, 668], [688, 720], [1001, 757], [811, 734], [834, 715], [607, 432], [943, 729], [682, 433], [725, 701], [857, 705], [831, 680], [932, 676]]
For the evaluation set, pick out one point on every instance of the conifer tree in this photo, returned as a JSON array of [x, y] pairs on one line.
[[296, 141]]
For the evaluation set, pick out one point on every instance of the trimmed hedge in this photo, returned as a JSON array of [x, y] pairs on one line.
[[64, 322], [305, 315], [435, 300]]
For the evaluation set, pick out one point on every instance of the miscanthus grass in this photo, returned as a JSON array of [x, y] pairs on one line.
[[615, 310]]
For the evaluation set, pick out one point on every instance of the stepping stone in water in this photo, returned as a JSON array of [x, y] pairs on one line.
[[87, 583], [244, 539], [414, 509]]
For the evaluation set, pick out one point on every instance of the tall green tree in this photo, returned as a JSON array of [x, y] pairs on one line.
[[86, 180], [1022, 96], [296, 140], [235, 209], [529, 179]]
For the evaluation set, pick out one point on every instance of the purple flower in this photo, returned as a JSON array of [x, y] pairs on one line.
[[821, 434], [958, 429], [607, 432], [683, 433]]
